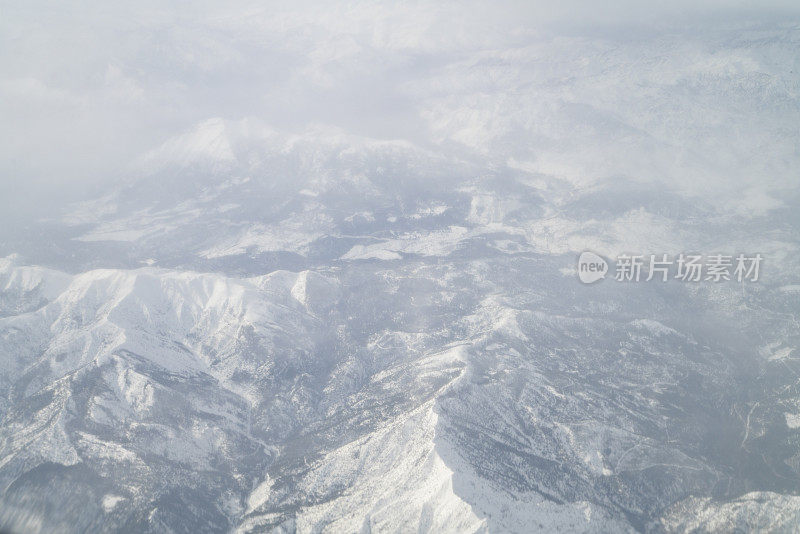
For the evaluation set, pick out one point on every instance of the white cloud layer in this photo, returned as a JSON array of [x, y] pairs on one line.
[[563, 88]]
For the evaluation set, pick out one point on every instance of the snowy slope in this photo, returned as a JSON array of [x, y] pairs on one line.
[[306, 327]]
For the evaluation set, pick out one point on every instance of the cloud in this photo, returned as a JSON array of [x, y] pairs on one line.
[[86, 90]]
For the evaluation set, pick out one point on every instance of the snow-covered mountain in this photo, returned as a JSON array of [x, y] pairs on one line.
[[316, 328], [459, 395]]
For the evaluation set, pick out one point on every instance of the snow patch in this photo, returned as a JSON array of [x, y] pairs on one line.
[[111, 501]]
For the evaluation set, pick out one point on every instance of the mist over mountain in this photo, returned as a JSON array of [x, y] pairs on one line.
[[312, 267]]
